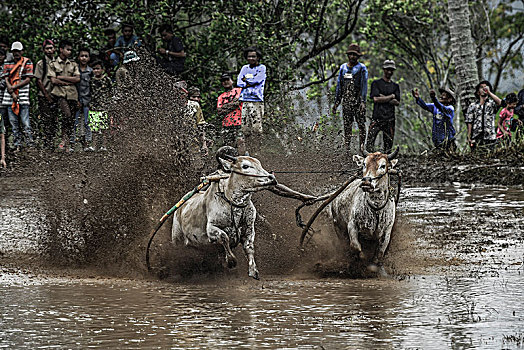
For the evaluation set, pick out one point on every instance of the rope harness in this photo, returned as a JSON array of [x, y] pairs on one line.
[[203, 186], [308, 232]]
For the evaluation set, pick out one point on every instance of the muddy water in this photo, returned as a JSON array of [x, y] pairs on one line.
[[469, 293]]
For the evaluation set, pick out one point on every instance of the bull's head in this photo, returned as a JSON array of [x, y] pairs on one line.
[[375, 166], [248, 172]]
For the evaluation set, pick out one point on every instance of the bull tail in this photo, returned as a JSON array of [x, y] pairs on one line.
[[201, 187]]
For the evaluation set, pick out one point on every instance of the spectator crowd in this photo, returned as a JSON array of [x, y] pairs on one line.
[[75, 90]]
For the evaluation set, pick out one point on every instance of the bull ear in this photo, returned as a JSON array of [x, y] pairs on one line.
[[393, 162], [226, 164], [358, 159]]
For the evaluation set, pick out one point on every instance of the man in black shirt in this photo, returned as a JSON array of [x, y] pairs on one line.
[[173, 56], [385, 95]]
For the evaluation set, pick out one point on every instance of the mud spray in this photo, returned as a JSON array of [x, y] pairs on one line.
[[99, 208]]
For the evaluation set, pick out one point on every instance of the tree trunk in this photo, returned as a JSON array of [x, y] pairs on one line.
[[463, 51]]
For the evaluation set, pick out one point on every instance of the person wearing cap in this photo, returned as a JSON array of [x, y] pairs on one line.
[[480, 117], [46, 103], [64, 75], [252, 80], [173, 56], [351, 91], [18, 74], [229, 108], [386, 96], [442, 131]]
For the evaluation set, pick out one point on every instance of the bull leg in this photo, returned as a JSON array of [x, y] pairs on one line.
[[222, 238], [381, 250], [354, 244], [248, 243]]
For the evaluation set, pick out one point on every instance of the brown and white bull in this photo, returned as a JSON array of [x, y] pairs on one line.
[[224, 214], [366, 208]]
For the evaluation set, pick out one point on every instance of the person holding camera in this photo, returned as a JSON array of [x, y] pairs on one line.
[[480, 117]]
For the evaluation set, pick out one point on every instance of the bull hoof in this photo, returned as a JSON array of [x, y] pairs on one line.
[[355, 247], [231, 263], [254, 275], [362, 256], [381, 271]]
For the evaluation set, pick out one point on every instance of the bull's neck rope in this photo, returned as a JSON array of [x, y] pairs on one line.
[[388, 195], [222, 194]]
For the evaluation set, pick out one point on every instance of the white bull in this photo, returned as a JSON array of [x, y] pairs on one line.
[[366, 208], [224, 214]]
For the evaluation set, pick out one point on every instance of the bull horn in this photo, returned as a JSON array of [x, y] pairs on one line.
[[231, 158], [393, 155]]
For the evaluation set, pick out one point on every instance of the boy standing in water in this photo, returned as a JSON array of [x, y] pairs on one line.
[[84, 98], [64, 74], [101, 92]]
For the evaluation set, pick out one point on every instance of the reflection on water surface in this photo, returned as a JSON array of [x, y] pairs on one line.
[[426, 312]]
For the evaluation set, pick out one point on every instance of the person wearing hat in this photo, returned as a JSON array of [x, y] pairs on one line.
[[480, 117], [386, 96], [64, 75], [442, 131], [46, 103], [18, 74], [230, 108], [351, 91]]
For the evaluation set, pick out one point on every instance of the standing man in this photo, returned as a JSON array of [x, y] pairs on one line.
[[173, 55], [18, 74], [64, 74], [480, 117], [252, 79], [46, 103], [229, 107], [352, 88], [386, 96]]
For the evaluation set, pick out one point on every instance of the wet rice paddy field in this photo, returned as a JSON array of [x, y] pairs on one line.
[[463, 289]]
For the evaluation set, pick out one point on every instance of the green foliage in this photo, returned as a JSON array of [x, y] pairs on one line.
[[499, 35], [295, 37]]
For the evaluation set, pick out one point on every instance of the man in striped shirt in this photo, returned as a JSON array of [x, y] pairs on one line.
[[17, 74]]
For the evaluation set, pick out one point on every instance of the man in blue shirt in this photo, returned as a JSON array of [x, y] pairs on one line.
[[352, 88], [443, 132], [252, 79], [127, 41]]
